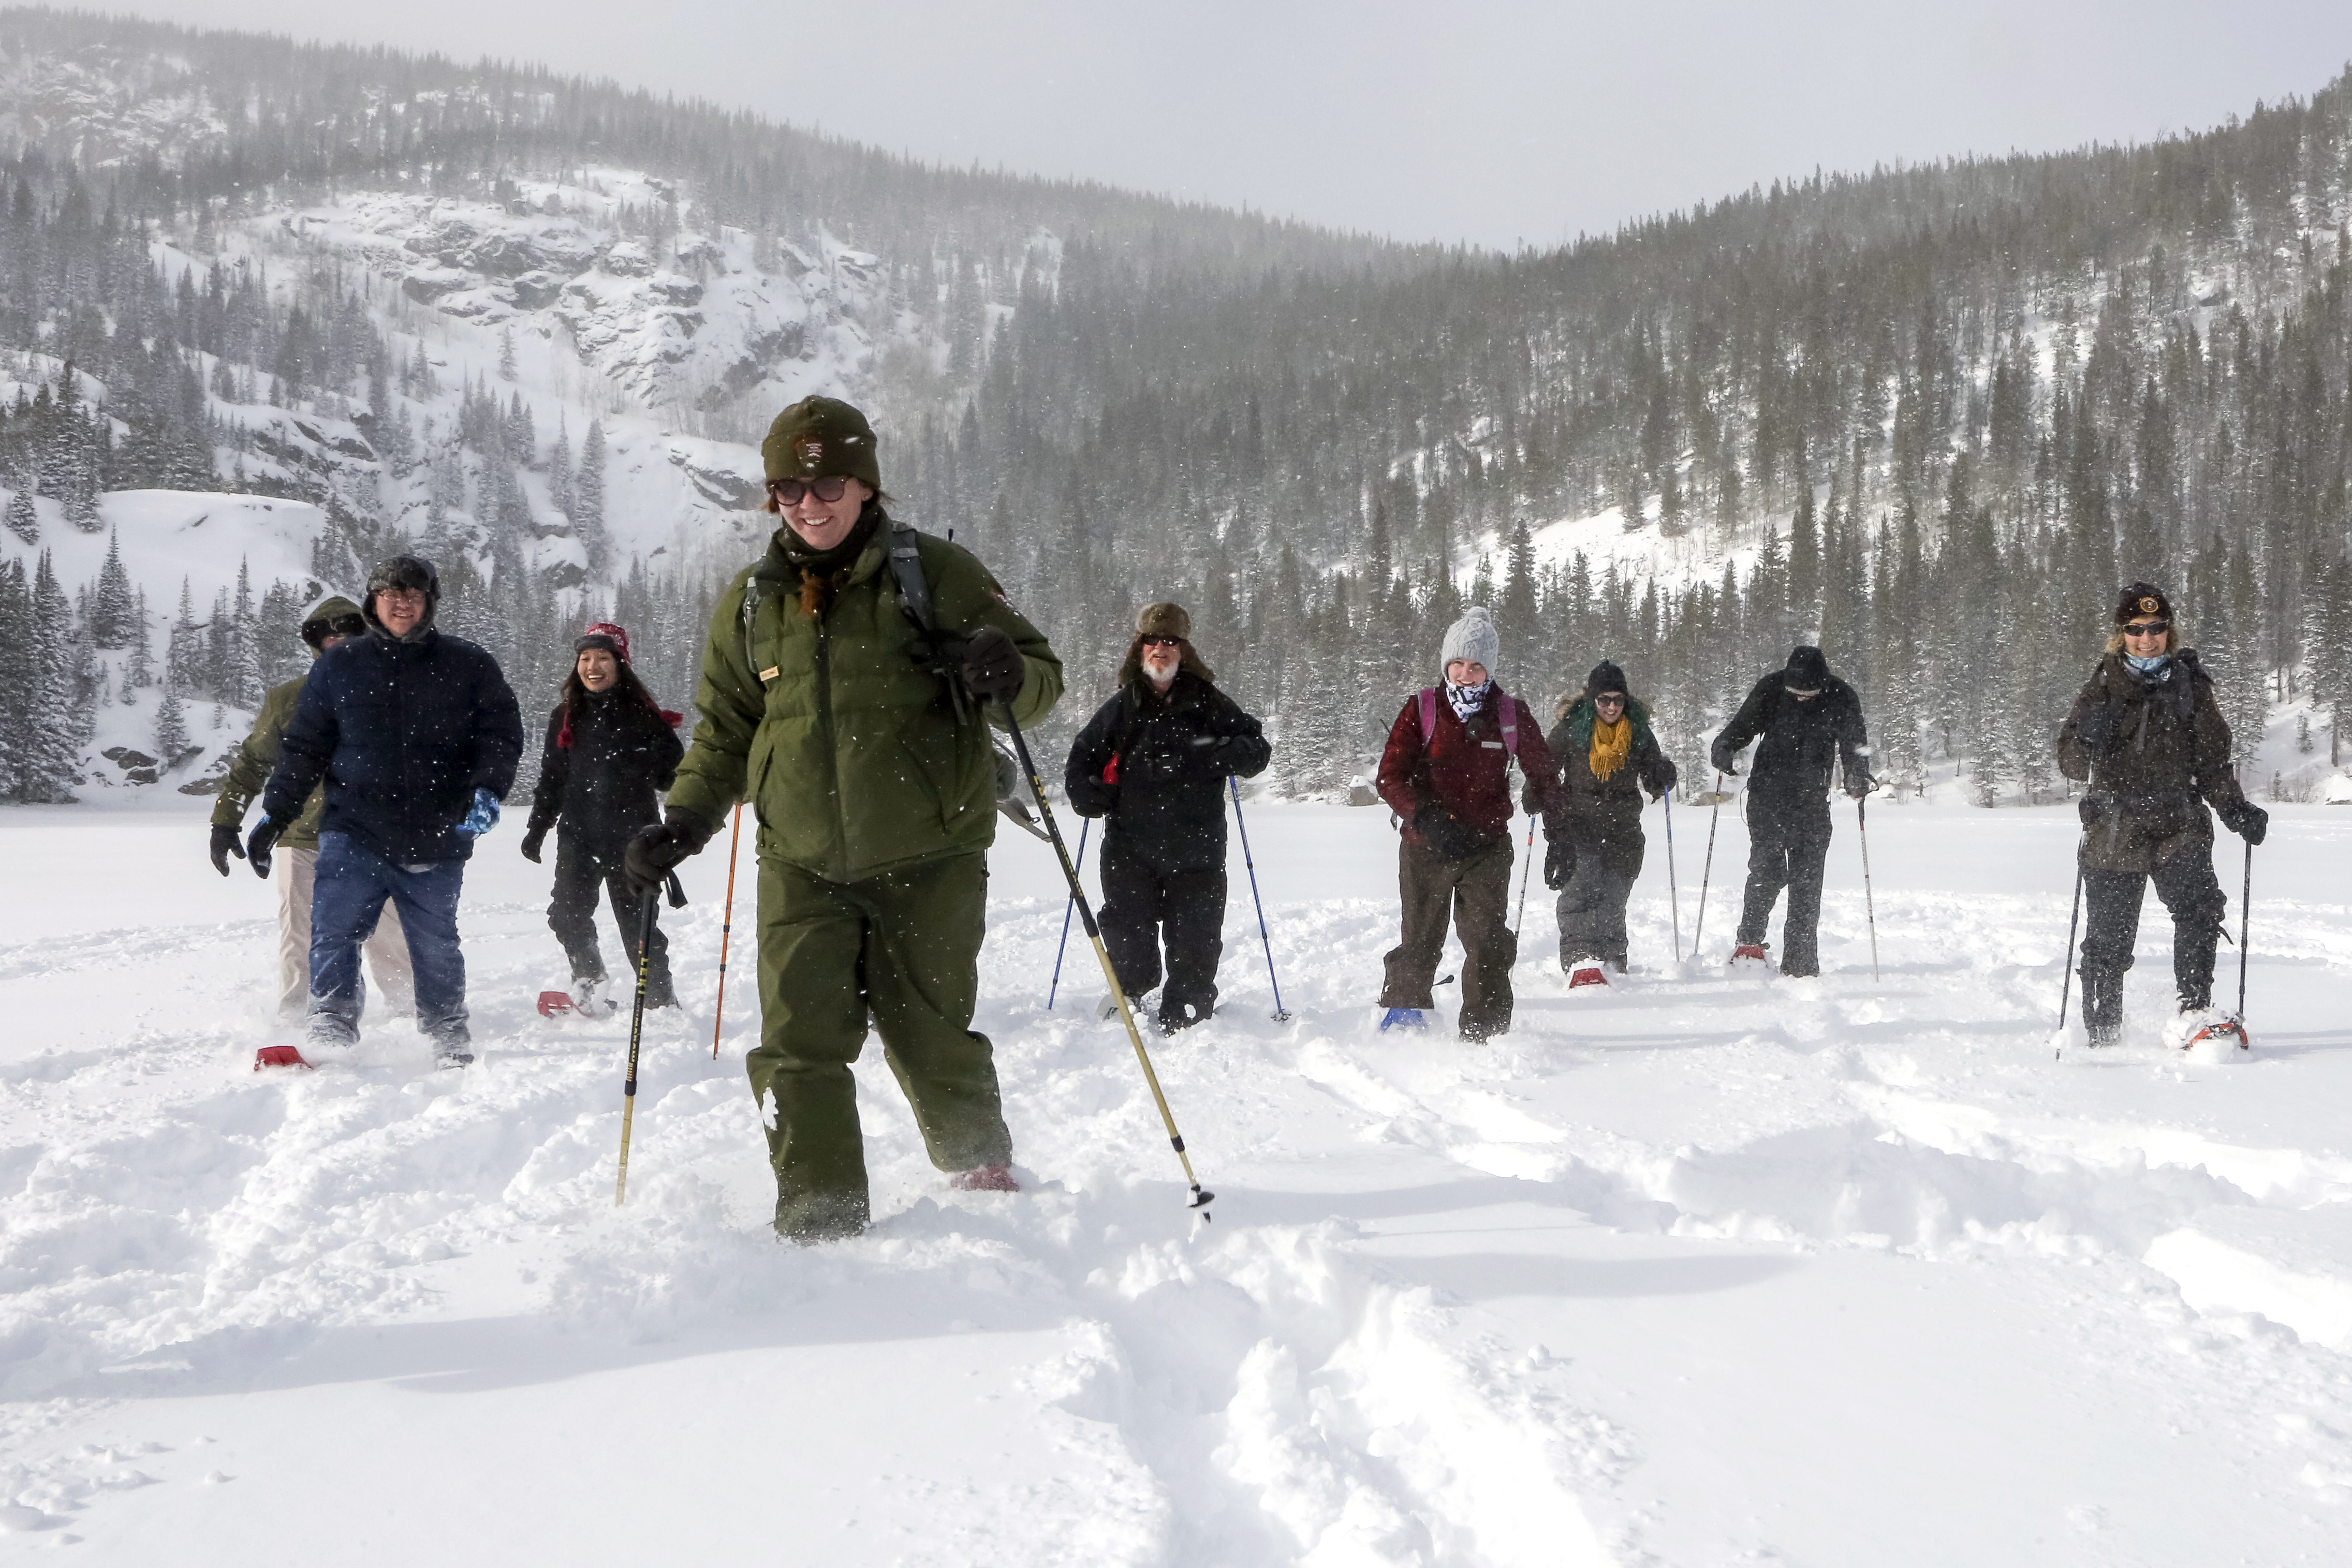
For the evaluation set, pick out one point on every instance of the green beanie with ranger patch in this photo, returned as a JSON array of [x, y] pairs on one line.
[[819, 437]]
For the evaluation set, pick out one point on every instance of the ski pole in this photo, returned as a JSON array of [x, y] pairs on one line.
[[637, 1028], [2066, 982], [1521, 923], [726, 928], [1861, 831], [1281, 1014], [2245, 931], [1201, 1198], [1086, 826], [1673, 893], [1706, 872]]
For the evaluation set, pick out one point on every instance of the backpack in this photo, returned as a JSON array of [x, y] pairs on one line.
[[1504, 700]]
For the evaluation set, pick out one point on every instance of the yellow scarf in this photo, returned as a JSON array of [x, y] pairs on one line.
[[1611, 745]]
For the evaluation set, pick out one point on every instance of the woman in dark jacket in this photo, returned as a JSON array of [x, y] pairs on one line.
[[1154, 760], [2148, 738], [610, 750], [1606, 757]]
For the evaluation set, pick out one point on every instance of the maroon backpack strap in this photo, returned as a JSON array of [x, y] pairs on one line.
[[1510, 710], [1428, 717]]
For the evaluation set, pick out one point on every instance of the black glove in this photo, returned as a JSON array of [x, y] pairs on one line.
[[657, 850], [1559, 862], [2092, 809], [265, 832], [1858, 782], [2094, 732], [1447, 836], [2246, 819], [531, 842], [227, 842], [992, 667], [1725, 758], [1672, 777]]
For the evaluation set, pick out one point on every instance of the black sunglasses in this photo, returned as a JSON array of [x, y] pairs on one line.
[[2148, 628], [829, 489], [341, 626], [1163, 641]]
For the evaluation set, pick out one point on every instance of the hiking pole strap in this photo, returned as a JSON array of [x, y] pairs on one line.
[[726, 930]]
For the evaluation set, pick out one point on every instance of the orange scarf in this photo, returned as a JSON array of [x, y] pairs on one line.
[[1612, 744]]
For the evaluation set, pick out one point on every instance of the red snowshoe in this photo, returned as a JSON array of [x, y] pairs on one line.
[[279, 1056], [1749, 953], [984, 1178], [554, 1004], [2224, 1032], [1586, 974]]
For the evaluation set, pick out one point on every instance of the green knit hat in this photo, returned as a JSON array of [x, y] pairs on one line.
[[819, 437]]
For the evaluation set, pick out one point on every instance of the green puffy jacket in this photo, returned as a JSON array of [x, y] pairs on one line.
[[249, 770], [856, 755]]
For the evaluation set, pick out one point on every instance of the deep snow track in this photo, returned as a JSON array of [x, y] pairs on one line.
[[1696, 1270]]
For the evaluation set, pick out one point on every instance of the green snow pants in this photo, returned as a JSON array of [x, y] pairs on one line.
[[902, 948]]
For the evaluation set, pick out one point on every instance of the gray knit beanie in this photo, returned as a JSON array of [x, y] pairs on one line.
[[1473, 637]]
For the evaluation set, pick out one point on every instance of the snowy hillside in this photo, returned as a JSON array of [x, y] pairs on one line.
[[1694, 1271]]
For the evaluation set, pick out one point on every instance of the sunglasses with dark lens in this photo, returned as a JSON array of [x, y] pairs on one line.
[[829, 489], [1163, 641], [1609, 699], [2148, 628], [341, 626]]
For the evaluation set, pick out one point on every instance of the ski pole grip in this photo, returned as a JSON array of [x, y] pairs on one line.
[[676, 891]]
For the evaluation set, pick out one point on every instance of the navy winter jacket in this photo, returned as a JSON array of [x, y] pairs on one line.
[[1174, 752], [403, 733]]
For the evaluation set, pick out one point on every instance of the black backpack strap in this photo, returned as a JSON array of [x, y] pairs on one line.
[[750, 607], [907, 567]]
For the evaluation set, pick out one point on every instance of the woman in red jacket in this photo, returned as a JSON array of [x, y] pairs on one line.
[[1446, 773]]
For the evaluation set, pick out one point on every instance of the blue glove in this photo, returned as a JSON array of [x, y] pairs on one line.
[[483, 817]]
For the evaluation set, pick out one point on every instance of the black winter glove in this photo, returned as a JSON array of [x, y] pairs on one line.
[[531, 842], [1724, 757], [992, 667], [2092, 809], [2097, 731], [265, 832], [1449, 838], [1672, 777], [227, 842], [1858, 782], [2246, 819], [1559, 862], [657, 850]]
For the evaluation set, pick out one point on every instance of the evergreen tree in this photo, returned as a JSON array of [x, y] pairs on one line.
[[22, 520], [114, 609], [588, 493], [171, 728]]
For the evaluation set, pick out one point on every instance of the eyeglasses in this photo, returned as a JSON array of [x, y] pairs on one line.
[[1609, 699], [2148, 628], [399, 596], [829, 489], [1163, 641]]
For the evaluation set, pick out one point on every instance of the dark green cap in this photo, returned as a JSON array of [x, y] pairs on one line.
[[819, 437]]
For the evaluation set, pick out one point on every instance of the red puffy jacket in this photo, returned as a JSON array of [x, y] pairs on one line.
[[1465, 768]]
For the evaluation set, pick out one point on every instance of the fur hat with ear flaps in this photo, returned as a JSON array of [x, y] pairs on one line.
[[1164, 619]]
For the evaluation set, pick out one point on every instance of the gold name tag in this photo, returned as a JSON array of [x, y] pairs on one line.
[[769, 673]]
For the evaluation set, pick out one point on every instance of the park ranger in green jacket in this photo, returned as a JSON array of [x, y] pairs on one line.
[[845, 695], [324, 624]]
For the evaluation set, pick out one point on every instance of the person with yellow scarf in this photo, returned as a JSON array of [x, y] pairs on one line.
[[1606, 757]]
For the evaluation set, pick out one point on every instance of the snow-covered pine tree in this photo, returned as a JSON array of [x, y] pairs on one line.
[[24, 521], [112, 607], [19, 666], [54, 724], [588, 491], [170, 727], [140, 666]]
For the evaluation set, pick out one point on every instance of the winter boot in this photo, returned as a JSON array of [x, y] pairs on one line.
[[2193, 1027], [453, 1049], [659, 992], [1180, 1016], [590, 996], [1404, 1019], [984, 1178], [2103, 1006]]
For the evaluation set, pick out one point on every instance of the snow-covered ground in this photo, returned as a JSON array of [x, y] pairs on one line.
[[1696, 1270]]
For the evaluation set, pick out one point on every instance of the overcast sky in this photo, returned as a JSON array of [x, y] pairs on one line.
[[1492, 121]]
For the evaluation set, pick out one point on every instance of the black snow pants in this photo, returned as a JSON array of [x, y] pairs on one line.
[[581, 867], [1787, 844], [1144, 906], [2192, 895]]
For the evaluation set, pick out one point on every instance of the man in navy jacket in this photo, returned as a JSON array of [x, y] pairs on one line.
[[417, 736]]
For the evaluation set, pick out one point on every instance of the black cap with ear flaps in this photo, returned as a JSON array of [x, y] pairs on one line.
[[409, 572]]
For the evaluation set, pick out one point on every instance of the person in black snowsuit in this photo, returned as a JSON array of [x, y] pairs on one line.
[[2148, 737], [416, 735], [611, 748], [1154, 760], [1810, 721]]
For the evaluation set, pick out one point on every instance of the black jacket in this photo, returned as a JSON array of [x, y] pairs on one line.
[[602, 786], [1168, 804], [1802, 740], [403, 733], [1603, 816], [2156, 752]]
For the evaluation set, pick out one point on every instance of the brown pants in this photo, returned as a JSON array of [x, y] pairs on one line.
[[296, 873], [1476, 892]]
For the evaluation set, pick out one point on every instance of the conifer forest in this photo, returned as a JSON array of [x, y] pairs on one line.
[[1927, 417]]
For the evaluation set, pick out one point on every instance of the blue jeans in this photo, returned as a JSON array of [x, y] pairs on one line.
[[353, 881]]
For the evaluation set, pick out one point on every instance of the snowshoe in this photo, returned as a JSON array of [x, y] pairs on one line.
[[1586, 974], [554, 1004], [450, 1054], [984, 1178], [2217, 1031], [1412, 1018], [279, 1056], [1751, 953]]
